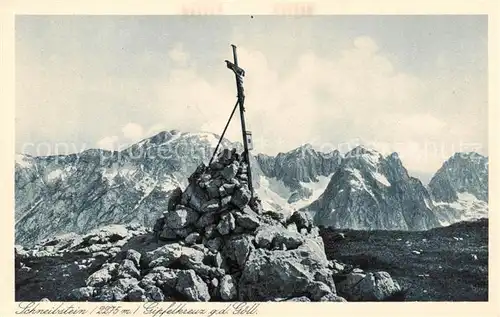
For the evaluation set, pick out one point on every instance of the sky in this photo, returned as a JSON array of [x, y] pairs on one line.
[[412, 84]]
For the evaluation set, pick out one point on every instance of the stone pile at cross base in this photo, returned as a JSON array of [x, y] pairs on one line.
[[215, 243]]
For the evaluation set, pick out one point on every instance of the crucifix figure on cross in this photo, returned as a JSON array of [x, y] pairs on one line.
[[239, 73]]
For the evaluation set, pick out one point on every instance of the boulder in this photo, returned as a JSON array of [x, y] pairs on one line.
[[302, 219], [192, 238], [137, 294], [284, 273], [175, 199], [82, 294], [212, 189], [128, 269], [192, 286], [226, 224], [368, 287], [214, 244], [227, 290], [103, 275], [210, 231], [237, 249], [160, 276], [241, 197], [107, 234], [225, 204], [183, 232], [116, 291], [169, 253], [207, 219], [214, 259], [194, 197], [291, 240], [210, 206], [230, 171], [248, 219], [133, 256], [265, 236], [276, 237], [255, 204], [227, 188], [154, 293]]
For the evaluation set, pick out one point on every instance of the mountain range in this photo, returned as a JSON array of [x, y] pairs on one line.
[[361, 189]]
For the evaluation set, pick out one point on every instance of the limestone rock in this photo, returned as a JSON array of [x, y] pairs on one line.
[[134, 256], [192, 238], [368, 287], [137, 294], [128, 269], [194, 197], [206, 219], [247, 219], [228, 289], [169, 253], [192, 286], [82, 293], [103, 275], [226, 224], [241, 197], [284, 274], [116, 291], [237, 249], [175, 199], [302, 219]]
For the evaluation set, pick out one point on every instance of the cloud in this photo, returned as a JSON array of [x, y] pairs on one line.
[[360, 94], [295, 93], [133, 131], [178, 55]]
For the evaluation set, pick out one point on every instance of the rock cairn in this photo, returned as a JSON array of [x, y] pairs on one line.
[[214, 242], [232, 249]]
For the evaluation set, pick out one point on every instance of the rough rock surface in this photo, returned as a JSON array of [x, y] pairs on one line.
[[369, 191], [368, 287], [207, 246], [460, 188]]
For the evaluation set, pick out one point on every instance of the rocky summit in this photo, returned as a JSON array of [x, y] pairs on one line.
[[370, 191], [460, 188], [214, 242]]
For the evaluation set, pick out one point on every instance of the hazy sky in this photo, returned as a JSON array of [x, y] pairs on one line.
[[412, 84]]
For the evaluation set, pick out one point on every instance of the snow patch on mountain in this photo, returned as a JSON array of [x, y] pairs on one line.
[[381, 178], [273, 194], [466, 208], [317, 189]]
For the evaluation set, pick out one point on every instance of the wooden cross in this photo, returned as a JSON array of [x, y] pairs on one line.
[[239, 74]]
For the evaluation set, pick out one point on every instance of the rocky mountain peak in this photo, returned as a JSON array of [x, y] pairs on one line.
[[369, 191], [461, 173], [460, 188], [362, 156]]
